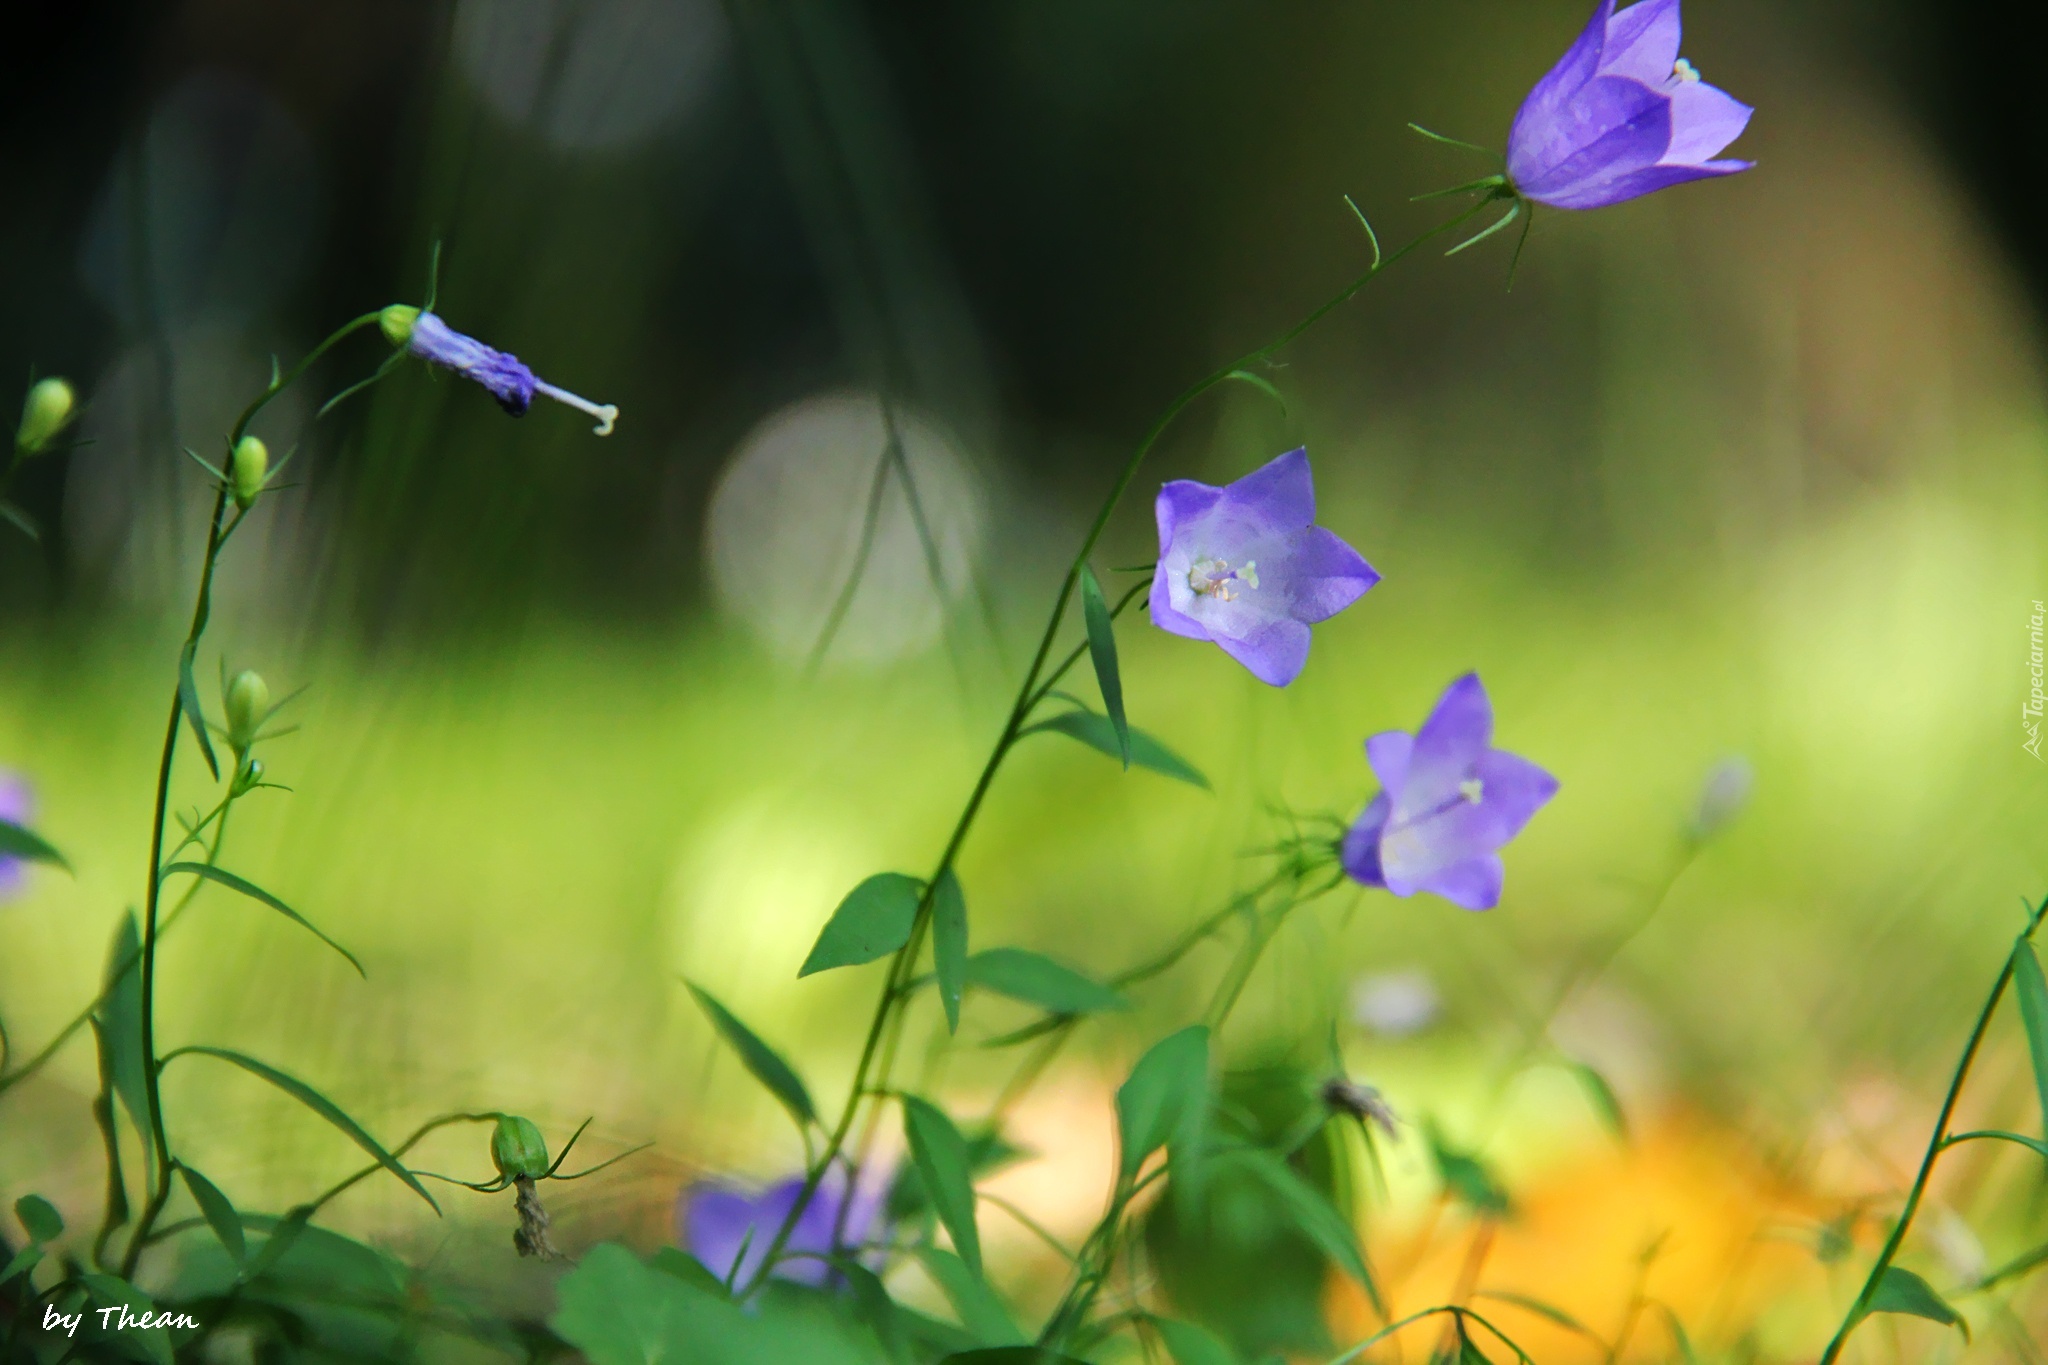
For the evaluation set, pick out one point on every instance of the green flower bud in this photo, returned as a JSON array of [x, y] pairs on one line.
[[247, 775], [396, 323], [248, 468], [247, 704], [517, 1148], [48, 409]]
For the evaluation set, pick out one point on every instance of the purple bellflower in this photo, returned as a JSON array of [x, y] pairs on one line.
[[425, 335], [730, 1230], [17, 807], [1448, 801], [1622, 115], [1246, 566]]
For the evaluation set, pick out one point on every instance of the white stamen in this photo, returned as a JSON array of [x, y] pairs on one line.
[[1472, 789], [1684, 71], [1215, 578], [605, 413]]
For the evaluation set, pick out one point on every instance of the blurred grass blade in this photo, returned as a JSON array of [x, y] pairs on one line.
[[110, 1135], [39, 1217], [1901, 1291], [1265, 385], [1102, 653], [873, 921], [763, 1061], [1313, 1214], [981, 1312], [25, 1260], [283, 1234], [1153, 1104], [120, 1015], [1192, 1345], [1548, 1311], [257, 893], [17, 841], [1097, 733], [188, 701], [319, 1104], [111, 1291], [949, 944], [1606, 1104], [21, 521], [942, 1161], [1037, 980], [1010, 1355], [220, 1215], [2033, 993], [1680, 1337], [1466, 1178]]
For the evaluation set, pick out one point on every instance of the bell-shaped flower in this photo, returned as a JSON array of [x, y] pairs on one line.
[[730, 1230], [1246, 566], [1622, 115], [425, 335], [1448, 802]]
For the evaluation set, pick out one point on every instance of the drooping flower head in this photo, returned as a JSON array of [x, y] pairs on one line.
[[17, 807], [1449, 800], [1246, 566], [722, 1225], [425, 335], [1622, 115]]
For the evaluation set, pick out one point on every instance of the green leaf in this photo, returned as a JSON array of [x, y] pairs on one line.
[[1102, 653], [1037, 980], [943, 1163], [618, 1311], [2033, 993], [120, 1018], [188, 702], [1098, 733], [25, 1260], [1467, 1178], [687, 1268], [110, 1135], [1606, 1104], [1311, 1212], [762, 1061], [1679, 1335], [40, 1217], [1901, 1291], [319, 1104], [949, 944], [1010, 1355], [220, 1215], [258, 894], [19, 842], [987, 1152], [284, 1234], [1167, 1096], [1265, 385], [2034, 1145], [21, 521], [1192, 1345], [114, 1292], [1548, 1311], [873, 921], [981, 1312]]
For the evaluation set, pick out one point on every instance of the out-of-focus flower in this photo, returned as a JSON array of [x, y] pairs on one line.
[[45, 413], [1246, 566], [1362, 1102], [1622, 115], [1395, 1004], [720, 1225], [508, 379], [1449, 800], [1722, 795], [17, 807]]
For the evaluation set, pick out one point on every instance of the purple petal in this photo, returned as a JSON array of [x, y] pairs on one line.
[[1360, 851], [1511, 790], [1704, 119], [1275, 654], [1181, 504], [715, 1220], [1615, 126], [1164, 614], [1471, 885], [1281, 493], [1646, 181], [1447, 746], [1541, 110], [1325, 575], [1642, 42], [509, 381], [1388, 753]]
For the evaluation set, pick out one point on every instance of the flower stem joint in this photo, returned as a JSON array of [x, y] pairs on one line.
[[425, 335]]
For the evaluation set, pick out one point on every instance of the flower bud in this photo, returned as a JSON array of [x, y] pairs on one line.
[[247, 469], [247, 704], [396, 322], [247, 775], [48, 409], [517, 1148]]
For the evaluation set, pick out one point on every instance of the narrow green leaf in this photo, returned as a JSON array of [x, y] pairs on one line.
[[687, 1268], [981, 1312], [1189, 1344], [40, 1217], [25, 1260], [1102, 653], [949, 944], [1467, 1178], [1312, 1213], [115, 1292], [2034, 1145], [110, 1135], [1680, 1337], [19, 842], [120, 1017], [1549, 1311], [258, 894], [1901, 1291], [1098, 733], [2033, 993], [1037, 980], [283, 1235], [873, 921], [944, 1164], [21, 521], [871, 1303], [319, 1104], [1010, 1355], [765, 1064], [1168, 1082], [220, 1215], [1259, 381], [188, 701], [1468, 1349], [1606, 1104]]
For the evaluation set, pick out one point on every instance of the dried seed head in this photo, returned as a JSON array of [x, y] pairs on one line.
[[1361, 1102], [531, 1236]]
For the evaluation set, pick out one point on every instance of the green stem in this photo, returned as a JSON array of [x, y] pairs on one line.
[[903, 966], [1935, 1143]]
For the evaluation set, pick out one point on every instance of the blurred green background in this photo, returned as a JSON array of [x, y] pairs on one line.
[[1753, 468]]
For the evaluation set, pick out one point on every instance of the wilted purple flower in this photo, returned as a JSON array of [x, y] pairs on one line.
[[720, 1224], [506, 376], [1247, 567], [17, 807], [1622, 115], [1449, 800]]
